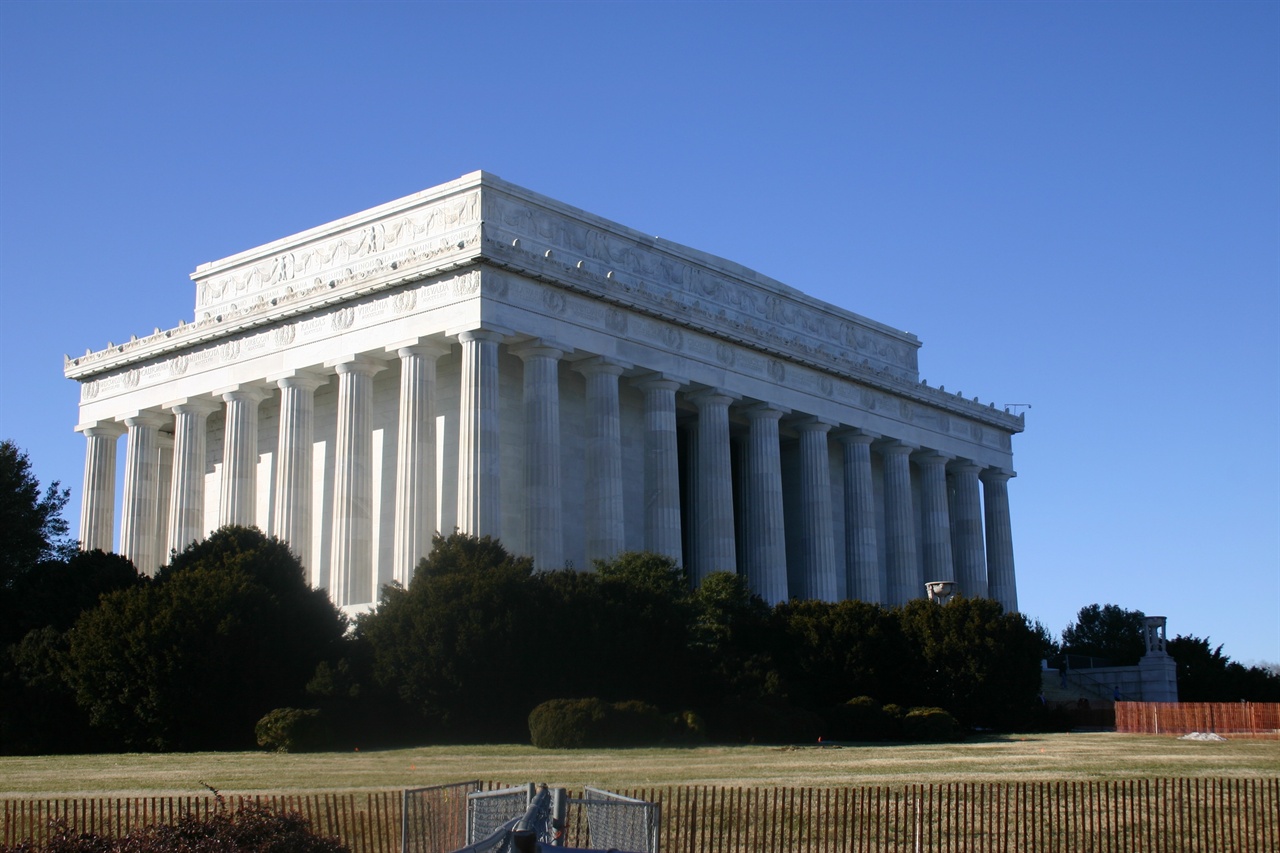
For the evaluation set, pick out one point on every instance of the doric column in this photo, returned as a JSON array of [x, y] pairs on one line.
[[164, 492], [544, 528], [138, 524], [714, 547], [479, 468], [861, 551], [1001, 583], [819, 527], [352, 548], [415, 509], [935, 519], [661, 468], [240, 456], [605, 526], [186, 494], [766, 538], [905, 579], [966, 530], [98, 500], [292, 510]]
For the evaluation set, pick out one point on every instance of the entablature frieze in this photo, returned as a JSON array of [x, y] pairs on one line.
[[595, 273]]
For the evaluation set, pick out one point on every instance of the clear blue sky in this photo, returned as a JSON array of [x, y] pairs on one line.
[[1075, 205]]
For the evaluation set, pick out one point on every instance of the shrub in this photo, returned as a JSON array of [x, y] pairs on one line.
[[770, 720], [292, 730], [581, 723], [929, 724], [861, 718], [250, 828]]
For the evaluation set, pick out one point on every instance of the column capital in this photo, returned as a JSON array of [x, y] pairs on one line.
[[855, 435], [101, 429], [428, 346], [600, 364], [193, 406], [963, 466], [811, 423], [306, 380], [247, 391], [365, 365], [146, 418], [929, 456], [895, 447], [539, 348], [762, 410], [659, 382], [495, 334], [996, 475], [720, 396]]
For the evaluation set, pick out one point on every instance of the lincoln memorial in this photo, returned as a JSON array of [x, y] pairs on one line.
[[483, 358]]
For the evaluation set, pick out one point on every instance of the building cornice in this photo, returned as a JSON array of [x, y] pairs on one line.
[[480, 219]]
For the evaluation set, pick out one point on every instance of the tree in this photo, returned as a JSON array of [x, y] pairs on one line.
[[1205, 674], [976, 661], [193, 658], [460, 646], [830, 652], [32, 528], [1106, 631]]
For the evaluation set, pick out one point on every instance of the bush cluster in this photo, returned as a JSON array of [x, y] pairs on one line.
[[593, 723], [293, 730], [250, 828]]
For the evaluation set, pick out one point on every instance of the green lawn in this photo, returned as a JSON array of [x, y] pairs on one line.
[[999, 758]]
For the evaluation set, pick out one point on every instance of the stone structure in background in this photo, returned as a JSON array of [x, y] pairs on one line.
[[481, 357]]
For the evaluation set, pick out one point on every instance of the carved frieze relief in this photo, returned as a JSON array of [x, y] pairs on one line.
[[405, 300], [407, 237], [342, 319]]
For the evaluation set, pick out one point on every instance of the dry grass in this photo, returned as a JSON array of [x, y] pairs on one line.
[[1009, 758]]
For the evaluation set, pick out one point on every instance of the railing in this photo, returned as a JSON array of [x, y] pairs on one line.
[[1117, 816], [1238, 719]]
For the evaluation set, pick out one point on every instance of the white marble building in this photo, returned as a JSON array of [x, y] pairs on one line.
[[481, 357]]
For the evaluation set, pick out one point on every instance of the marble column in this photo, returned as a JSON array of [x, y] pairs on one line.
[[966, 530], [98, 499], [661, 468], [935, 519], [139, 523], [164, 484], [766, 538], [544, 526], [292, 511], [818, 524], [861, 550], [605, 526], [714, 547], [352, 550], [479, 460], [905, 579], [1001, 584], [190, 456], [240, 457], [415, 509]]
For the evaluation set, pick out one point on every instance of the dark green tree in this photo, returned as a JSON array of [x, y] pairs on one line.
[[830, 652], [973, 659], [1205, 674], [460, 646], [35, 614], [193, 658], [1109, 632], [32, 528], [732, 644]]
